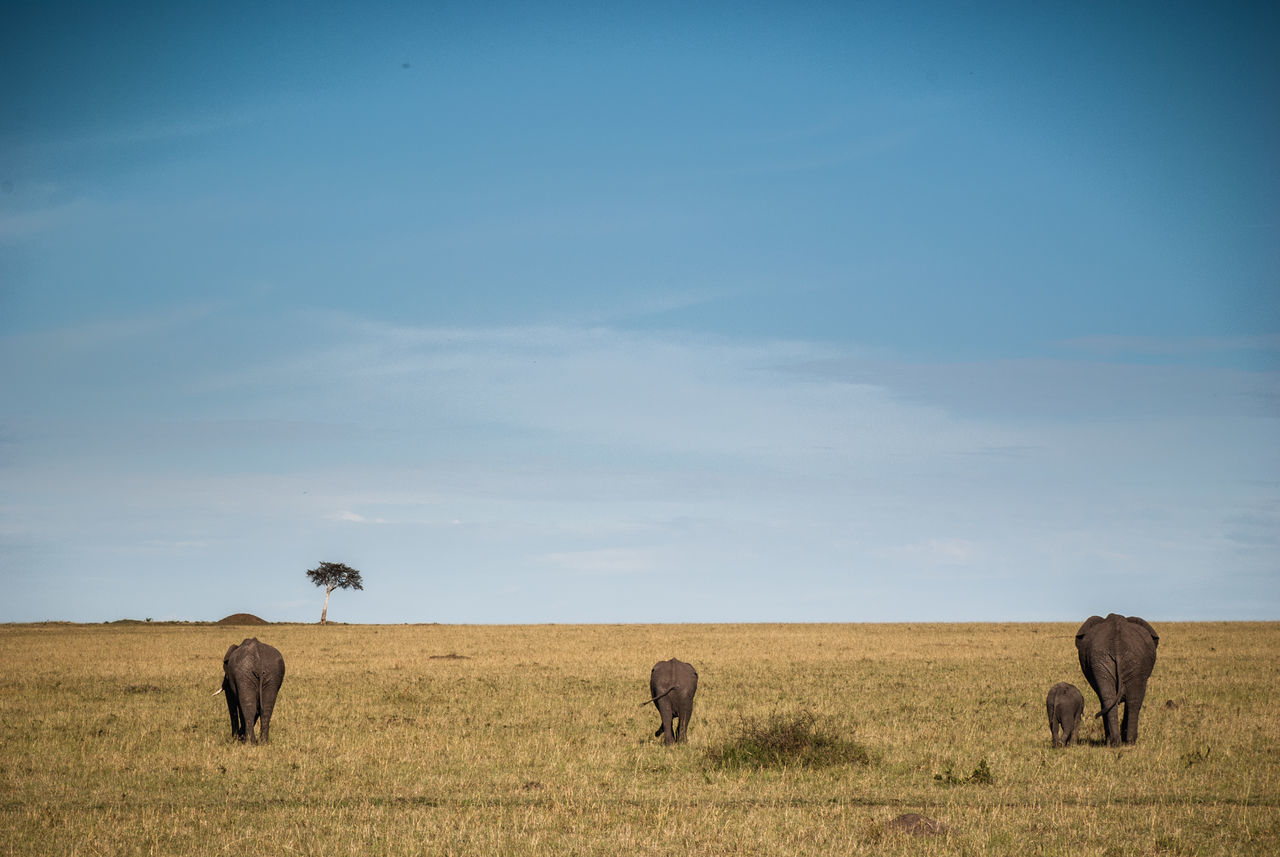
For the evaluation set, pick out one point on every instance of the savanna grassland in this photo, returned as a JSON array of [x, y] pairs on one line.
[[495, 740]]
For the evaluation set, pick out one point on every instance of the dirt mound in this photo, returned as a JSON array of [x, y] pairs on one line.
[[918, 825], [242, 619]]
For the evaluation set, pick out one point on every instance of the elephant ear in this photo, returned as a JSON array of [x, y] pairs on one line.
[[1084, 629], [227, 657], [1138, 620]]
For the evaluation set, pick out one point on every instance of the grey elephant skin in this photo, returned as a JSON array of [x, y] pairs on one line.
[[1065, 705], [252, 673], [1117, 655], [672, 685]]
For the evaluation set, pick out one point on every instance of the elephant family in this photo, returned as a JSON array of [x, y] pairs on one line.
[[252, 673], [1117, 655], [672, 685], [1064, 705]]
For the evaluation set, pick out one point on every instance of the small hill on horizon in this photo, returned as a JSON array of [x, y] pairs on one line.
[[242, 619]]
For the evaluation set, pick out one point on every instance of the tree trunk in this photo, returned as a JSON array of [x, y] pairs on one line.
[[324, 611]]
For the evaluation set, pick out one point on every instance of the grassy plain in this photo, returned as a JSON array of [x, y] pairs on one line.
[[534, 742]]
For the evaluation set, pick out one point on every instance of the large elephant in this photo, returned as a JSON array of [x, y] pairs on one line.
[[672, 685], [252, 673], [1117, 655], [1064, 705]]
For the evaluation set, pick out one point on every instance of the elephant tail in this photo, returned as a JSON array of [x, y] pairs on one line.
[[1119, 690], [1104, 712], [656, 698]]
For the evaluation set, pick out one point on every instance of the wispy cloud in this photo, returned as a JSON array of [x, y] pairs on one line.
[[602, 385], [348, 517], [1156, 346], [934, 551], [106, 333], [145, 133], [612, 454], [27, 222], [604, 561], [1063, 389]]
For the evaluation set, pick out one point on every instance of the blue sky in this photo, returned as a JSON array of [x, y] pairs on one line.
[[742, 312]]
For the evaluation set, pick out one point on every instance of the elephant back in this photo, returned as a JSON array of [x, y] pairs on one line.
[[673, 673], [1145, 626], [1134, 630], [255, 656]]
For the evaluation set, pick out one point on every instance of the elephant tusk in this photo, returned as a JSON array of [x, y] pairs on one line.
[[218, 691]]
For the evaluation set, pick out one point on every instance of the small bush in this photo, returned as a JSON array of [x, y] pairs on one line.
[[981, 776], [1196, 756], [787, 741]]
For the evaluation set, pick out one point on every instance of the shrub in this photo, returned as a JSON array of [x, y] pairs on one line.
[[981, 776], [784, 741]]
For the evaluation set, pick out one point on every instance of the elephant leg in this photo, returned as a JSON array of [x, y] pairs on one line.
[[1132, 708], [1111, 726], [1130, 725], [1111, 720], [666, 711], [267, 705], [233, 709], [686, 711], [248, 718]]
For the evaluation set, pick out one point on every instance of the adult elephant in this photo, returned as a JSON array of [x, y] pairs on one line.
[[252, 673], [1117, 655], [672, 685]]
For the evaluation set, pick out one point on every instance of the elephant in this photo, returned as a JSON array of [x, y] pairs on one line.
[[672, 685], [252, 673], [1064, 705], [1117, 655]]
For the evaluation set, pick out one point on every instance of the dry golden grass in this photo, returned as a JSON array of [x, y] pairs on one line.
[[534, 742]]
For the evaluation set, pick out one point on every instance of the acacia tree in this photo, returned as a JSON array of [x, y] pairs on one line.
[[334, 575]]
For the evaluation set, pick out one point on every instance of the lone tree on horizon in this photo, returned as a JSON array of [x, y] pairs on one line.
[[334, 575]]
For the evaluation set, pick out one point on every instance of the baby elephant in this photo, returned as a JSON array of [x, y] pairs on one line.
[[1064, 704], [672, 685]]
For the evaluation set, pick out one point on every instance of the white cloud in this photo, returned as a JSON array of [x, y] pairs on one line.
[[354, 518], [650, 393], [932, 552], [605, 560], [615, 454]]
